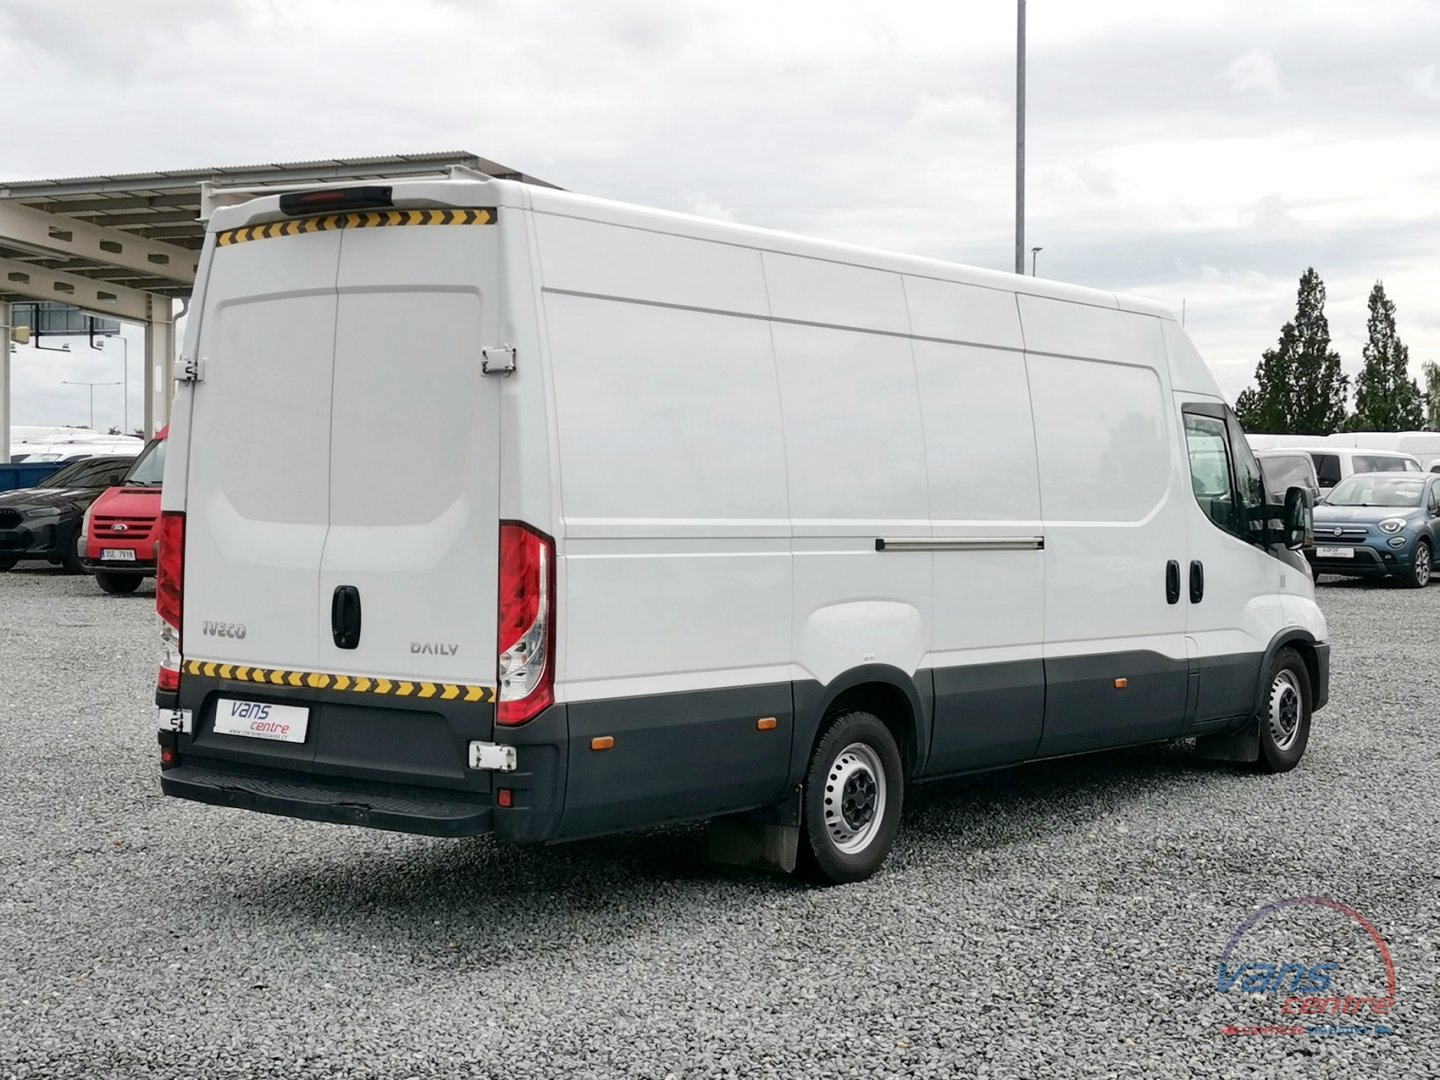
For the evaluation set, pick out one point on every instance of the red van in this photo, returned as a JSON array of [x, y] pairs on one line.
[[122, 525]]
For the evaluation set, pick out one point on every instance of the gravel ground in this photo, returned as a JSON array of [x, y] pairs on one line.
[[1064, 919]]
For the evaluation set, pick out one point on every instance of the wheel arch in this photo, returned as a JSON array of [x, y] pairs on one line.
[[1310, 651], [899, 700]]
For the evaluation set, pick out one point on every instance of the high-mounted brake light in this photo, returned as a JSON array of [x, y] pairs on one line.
[[169, 595], [526, 638], [350, 198]]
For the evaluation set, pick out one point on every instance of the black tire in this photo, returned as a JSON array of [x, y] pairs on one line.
[[117, 584], [854, 790], [1285, 713], [70, 556], [1419, 575], [7, 562]]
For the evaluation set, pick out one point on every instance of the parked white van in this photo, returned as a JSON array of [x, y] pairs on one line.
[[491, 508], [1424, 446], [1335, 463]]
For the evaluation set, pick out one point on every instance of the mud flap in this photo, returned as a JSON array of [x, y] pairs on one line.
[[738, 841], [1240, 746]]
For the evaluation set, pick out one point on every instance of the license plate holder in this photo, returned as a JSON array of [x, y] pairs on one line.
[[1334, 552], [117, 554], [261, 720]]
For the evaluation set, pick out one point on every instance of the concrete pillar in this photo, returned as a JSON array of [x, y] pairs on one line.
[[159, 364], [5, 384]]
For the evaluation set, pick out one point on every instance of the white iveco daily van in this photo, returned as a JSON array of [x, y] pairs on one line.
[[497, 509]]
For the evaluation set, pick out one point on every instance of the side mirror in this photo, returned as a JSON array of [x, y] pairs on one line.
[[1298, 519]]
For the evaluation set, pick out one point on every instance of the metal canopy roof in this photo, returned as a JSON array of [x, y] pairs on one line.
[[102, 242]]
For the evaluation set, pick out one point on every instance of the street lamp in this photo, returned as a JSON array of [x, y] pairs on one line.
[[125, 409], [92, 386], [1033, 252]]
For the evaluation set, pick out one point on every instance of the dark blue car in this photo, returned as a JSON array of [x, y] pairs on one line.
[[1383, 525]]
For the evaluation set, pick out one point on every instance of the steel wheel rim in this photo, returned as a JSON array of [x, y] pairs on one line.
[[1285, 709], [1422, 565], [854, 798]]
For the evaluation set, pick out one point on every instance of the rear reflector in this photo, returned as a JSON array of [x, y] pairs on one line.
[[350, 198], [526, 635]]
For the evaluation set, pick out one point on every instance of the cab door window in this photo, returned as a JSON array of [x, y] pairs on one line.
[[1327, 469], [1224, 475]]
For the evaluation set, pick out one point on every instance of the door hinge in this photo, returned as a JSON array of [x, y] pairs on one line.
[[497, 359], [192, 369]]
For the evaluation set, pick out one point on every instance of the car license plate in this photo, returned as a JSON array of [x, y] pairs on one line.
[[118, 554], [1334, 553], [261, 720]]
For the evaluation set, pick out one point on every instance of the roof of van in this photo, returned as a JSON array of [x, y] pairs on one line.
[[557, 201], [479, 191]]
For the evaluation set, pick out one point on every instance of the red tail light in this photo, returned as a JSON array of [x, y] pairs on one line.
[[526, 639], [169, 595]]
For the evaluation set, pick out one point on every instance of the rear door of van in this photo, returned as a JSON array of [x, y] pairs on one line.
[[342, 497]]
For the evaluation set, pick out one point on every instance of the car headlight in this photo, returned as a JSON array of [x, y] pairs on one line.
[[42, 512], [1392, 525]]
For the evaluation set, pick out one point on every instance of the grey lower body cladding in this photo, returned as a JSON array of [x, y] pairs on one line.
[[589, 768]]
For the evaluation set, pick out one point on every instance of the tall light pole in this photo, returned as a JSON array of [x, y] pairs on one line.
[[92, 386], [125, 409], [1033, 252], [1020, 138]]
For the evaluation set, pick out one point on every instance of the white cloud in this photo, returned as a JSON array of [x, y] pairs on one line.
[[1425, 81], [1253, 73], [1167, 154]]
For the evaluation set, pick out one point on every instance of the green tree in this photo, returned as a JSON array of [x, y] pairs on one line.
[[1432, 394], [1299, 387], [1386, 397]]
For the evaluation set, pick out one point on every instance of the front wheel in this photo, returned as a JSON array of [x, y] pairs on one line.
[[853, 795], [7, 562], [1285, 714], [1420, 572], [117, 584], [70, 557]]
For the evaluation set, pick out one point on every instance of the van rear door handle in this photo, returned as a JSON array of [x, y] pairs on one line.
[[1197, 581], [1172, 582], [345, 616]]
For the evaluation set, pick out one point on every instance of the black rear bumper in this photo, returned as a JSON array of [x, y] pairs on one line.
[[314, 799]]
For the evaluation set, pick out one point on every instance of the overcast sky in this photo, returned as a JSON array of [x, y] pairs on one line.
[[1204, 152]]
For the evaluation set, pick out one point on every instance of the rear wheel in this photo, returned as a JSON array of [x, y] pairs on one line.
[[1420, 572], [7, 562], [117, 584], [853, 795], [1285, 714]]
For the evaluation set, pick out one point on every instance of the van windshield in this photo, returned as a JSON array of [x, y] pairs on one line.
[[1377, 491], [149, 467]]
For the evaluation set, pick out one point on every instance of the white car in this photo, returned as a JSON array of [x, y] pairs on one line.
[[493, 508]]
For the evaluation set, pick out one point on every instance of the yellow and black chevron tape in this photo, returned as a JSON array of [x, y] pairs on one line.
[[354, 684], [363, 219]]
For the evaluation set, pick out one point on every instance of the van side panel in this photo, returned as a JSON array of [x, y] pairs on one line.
[[1111, 490], [676, 571], [855, 458], [983, 484]]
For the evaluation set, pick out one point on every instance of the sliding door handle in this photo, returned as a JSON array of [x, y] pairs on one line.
[[1197, 581], [1172, 582]]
